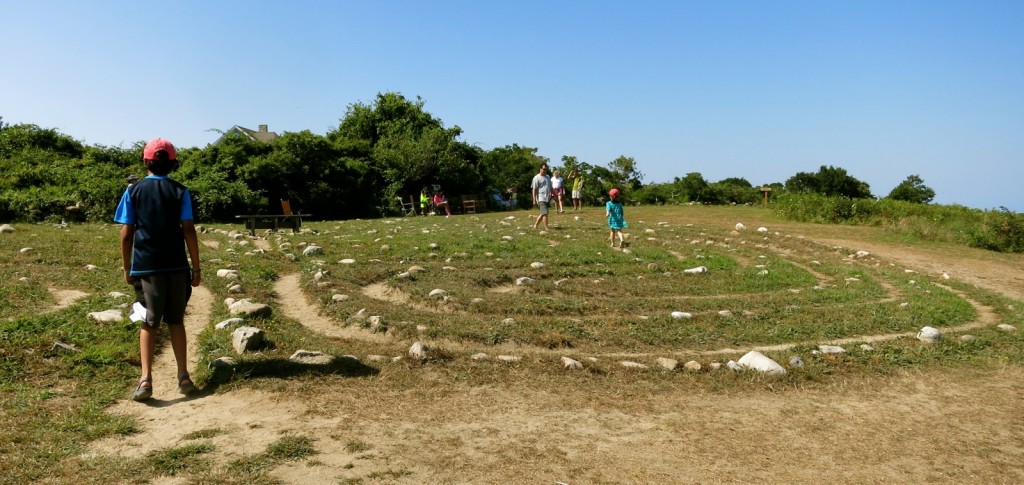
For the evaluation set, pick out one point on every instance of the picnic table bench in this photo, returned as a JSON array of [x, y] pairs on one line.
[[274, 221]]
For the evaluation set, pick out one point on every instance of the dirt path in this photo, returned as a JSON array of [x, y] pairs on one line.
[[434, 429]]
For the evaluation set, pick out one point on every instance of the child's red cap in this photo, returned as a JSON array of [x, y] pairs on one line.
[[158, 144], [613, 193]]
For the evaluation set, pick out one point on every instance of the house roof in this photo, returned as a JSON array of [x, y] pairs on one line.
[[262, 134]]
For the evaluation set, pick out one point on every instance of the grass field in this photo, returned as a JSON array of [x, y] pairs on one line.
[[781, 290]]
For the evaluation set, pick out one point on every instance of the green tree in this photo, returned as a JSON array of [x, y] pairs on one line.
[[692, 187], [913, 190], [829, 181], [511, 167]]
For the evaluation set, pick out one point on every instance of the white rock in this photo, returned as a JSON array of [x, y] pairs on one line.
[[339, 297], [757, 361], [312, 250], [796, 361], [536, 265], [945, 275], [91, 267], [762, 229], [346, 260], [867, 348], [667, 363], [1007, 327], [235, 289], [378, 358], [929, 335], [571, 364], [479, 356], [248, 308], [967, 338], [245, 339], [116, 294], [733, 365], [715, 365], [831, 349], [725, 313], [25, 250], [524, 281], [509, 358], [376, 324], [509, 321], [561, 281], [506, 238], [697, 270], [310, 357], [862, 254], [449, 268], [7, 229], [107, 316], [231, 322], [692, 366], [225, 273], [740, 226], [437, 293], [477, 300], [419, 351], [678, 315]]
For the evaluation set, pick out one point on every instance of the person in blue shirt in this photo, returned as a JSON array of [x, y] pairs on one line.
[[616, 218], [157, 228]]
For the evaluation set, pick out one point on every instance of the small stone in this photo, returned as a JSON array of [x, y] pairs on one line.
[[7, 229], [376, 324], [740, 226], [667, 363], [862, 254], [107, 316], [692, 366], [831, 349], [225, 273], [340, 298], [561, 281], [762, 229], [697, 270], [1006, 327], [760, 362], [225, 363], [477, 300], [437, 293], [309, 357], [733, 365], [91, 267], [524, 281], [929, 335], [235, 289], [479, 356], [231, 322], [715, 365], [725, 313], [116, 294], [312, 250], [509, 321], [796, 361], [25, 250], [652, 266], [416, 269], [245, 339], [509, 358], [347, 261], [571, 364], [536, 265], [378, 358], [678, 315], [248, 308], [419, 351], [867, 348], [967, 338]]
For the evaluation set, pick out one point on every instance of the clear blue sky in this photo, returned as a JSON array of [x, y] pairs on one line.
[[753, 89]]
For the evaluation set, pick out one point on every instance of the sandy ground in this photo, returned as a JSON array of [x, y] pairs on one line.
[[915, 427]]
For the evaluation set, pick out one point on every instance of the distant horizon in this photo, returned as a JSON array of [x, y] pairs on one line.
[[755, 90]]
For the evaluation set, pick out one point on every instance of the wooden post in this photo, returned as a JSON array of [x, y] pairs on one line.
[[766, 190]]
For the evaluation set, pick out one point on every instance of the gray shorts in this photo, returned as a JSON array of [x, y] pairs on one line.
[[543, 208], [577, 194], [165, 296]]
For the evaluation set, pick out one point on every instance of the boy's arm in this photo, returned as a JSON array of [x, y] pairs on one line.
[[192, 244], [127, 243]]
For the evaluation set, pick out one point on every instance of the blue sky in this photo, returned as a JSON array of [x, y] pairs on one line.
[[753, 89]]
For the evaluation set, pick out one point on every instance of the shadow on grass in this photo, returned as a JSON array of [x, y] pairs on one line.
[[271, 368]]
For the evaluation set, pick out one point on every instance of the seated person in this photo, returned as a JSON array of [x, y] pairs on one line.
[[440, 201], [504, 204], [424, 201]]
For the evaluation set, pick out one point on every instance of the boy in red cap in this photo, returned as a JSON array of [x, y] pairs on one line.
[[156, 213], [616, 218]]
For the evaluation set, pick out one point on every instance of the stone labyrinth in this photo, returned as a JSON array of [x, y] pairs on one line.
[[491, 287]]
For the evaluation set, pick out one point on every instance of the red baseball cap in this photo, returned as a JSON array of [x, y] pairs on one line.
[[613, 192], [158, 144]]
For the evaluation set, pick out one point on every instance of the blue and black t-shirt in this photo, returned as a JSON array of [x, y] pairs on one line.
[[156, 206]]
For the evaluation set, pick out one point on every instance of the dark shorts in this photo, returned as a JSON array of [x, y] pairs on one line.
[[164, 295]]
